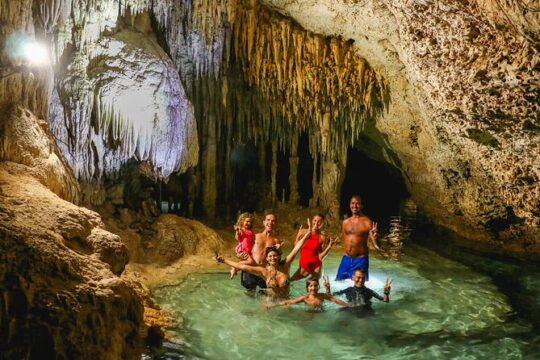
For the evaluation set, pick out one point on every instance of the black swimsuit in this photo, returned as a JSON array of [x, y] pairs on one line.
[[359, 295]]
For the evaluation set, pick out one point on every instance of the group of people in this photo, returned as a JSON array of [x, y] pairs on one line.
[[262, 266]]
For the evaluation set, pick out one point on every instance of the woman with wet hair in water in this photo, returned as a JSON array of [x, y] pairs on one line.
[[275, 271]]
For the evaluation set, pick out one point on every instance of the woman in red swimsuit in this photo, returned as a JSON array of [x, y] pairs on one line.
[[312, 252]]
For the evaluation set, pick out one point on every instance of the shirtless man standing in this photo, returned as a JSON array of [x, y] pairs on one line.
[[263, 240], [357, 230]]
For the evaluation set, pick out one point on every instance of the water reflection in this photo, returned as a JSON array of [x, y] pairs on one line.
[[397, 230]]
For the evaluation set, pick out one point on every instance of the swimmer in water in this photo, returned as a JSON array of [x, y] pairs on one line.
[[359, 295], [314, 299]]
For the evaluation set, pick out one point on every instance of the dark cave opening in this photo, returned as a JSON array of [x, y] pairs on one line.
[[246, 192], [380, 185]]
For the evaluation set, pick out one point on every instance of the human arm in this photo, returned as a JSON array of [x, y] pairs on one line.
[[237, 233], [325, 252], [292, 301], [297, 246], [387, 289], [373, 234], [386, 297], [255, 270], [299, 235], [326, 284], [336, 300]]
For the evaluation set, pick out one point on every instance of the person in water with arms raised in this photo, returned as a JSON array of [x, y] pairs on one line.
[[275, 273], [314, 299]]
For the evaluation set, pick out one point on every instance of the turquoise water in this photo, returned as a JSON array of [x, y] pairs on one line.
[[439, 309]]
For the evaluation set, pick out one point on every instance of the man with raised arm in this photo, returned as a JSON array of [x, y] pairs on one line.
[[357, 231], [266, 238]]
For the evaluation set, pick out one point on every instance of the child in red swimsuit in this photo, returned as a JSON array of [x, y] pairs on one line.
[[312, 252], [244, 237]]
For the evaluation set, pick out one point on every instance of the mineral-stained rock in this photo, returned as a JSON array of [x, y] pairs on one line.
[[57, 301], [464, 100], [177, 237], [24, 139], [123, 100], [109, 249], [60, 293]]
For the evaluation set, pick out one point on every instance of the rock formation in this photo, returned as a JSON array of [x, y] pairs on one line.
[[462, 122], [445, 92], [59, 269], [120, 98]]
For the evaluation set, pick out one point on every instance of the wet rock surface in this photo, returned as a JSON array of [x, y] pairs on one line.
[[61, 291], [59, 298]]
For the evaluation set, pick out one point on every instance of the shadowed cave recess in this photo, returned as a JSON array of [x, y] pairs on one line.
[[146, 120]]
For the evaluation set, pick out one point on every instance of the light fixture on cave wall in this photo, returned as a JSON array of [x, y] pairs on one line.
[[26, 53]]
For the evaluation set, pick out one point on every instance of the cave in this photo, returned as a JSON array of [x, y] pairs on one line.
[[380, 186], [137, 136]]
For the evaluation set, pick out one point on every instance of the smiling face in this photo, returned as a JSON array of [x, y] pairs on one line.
[[273, 258], [269, 222], [355, 205], [317, 222], [359, 278], [248, 223], [312, 286]]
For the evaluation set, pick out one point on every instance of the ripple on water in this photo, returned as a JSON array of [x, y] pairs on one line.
[[438, 309]]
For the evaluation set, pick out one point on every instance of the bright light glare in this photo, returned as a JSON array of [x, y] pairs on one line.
[[35, 53]]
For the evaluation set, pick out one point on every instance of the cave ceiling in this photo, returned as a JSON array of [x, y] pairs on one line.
[[447, 89]]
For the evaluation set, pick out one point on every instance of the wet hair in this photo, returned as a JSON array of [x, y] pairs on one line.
[[359, 270], [242, 217], [309, 281], [270, 249]]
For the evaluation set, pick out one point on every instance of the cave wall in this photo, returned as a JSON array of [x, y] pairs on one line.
[[448, 90], [462, 123], [64, 293], [62, 290]]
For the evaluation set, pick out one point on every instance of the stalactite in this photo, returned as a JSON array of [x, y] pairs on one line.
[[103, 117], [304, 78], [264, 79], [49, 12]]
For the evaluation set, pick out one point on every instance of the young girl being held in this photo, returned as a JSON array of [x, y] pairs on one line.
[[244, 240]]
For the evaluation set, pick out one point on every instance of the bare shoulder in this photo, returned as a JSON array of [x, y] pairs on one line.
[[259, 236], [366, 220]]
